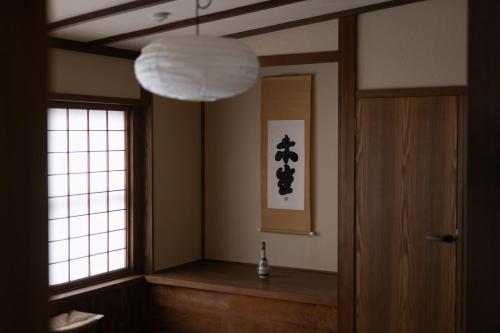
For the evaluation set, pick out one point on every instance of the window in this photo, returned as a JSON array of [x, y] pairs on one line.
[[87, 192]]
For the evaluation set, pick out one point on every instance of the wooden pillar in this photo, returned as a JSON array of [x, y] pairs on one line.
[[23, 171], [482, 289], [347, 111], [148, 213]]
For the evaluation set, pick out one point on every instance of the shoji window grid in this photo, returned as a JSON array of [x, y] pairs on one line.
[[87, 193]]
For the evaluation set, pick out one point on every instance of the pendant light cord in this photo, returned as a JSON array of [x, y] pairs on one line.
[[198, 7]]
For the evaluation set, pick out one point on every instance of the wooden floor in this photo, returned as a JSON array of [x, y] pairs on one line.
[[242, 279]]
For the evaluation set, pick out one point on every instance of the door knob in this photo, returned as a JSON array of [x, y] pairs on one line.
[[441, 238]]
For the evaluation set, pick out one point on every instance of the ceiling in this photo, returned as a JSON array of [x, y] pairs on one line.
[[136, 16]]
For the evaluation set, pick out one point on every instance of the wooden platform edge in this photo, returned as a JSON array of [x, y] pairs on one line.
[[289, 297]]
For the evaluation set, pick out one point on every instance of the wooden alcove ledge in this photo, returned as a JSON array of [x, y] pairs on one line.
[[97, 288], [286, 284]]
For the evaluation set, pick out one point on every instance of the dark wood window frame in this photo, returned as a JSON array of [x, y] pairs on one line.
[[136, 140]]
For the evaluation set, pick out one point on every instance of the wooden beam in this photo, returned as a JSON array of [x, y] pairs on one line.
[[299, 58], [265, 61], [347, 164], [259, 6], [321, 18], [93, 99], [404, 92], [101, 13], [73, 45]]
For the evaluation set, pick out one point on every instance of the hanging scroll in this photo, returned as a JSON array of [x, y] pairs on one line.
[[285, 154]]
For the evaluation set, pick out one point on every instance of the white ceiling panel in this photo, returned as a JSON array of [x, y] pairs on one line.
[[62, 9], [181, 10], [255, 20], [140, 19]]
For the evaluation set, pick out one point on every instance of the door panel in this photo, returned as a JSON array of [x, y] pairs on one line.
[[406, 190]]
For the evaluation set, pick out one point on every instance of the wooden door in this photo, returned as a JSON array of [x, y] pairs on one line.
[[406, 197]]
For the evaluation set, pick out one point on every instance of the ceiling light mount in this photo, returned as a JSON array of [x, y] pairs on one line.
[[159, 16]]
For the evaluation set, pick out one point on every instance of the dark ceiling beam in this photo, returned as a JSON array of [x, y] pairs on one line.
[[259, 6], [321, 18], [299, 58], [98, 14], [73, 45], [265, 61]]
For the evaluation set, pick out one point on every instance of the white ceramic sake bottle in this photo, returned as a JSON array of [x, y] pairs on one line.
[[263, 269]]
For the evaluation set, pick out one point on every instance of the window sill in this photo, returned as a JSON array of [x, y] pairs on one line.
[[97, 288]]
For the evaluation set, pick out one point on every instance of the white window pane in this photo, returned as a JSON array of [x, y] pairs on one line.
[[78, 162], [58, 207], [77, 141], [58, 229], [117, 240], [78, 205], [78, 183], [98, 141], [116, 120], [117, 180], [98, 161], [79, 269], [116, 160], [116, 260], [79, 226], [58, 185], [58, 273], [98, 223], [77, 119], [97, 119], [58, 251], [98, 202], [56, 119], [78, 247], [98, 243], [116, 140], [99, 264], [57, 163], [98, 182], [57, 142], [117, 220], [117, 200]]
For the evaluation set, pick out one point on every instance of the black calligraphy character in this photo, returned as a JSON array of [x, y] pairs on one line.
[[285, 174]]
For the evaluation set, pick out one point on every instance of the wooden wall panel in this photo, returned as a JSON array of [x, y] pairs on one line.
[[123, 307], [406, 189], [373, 288], [189, 310]]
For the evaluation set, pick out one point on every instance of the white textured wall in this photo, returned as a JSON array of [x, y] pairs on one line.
[[177, 182], [233, 178], [309, 38], [418, 45], [89, 74]]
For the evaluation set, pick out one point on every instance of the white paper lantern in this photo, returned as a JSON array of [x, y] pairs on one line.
[[197, 68]]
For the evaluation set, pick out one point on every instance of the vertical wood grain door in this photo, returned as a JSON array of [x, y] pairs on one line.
[[406, 214]]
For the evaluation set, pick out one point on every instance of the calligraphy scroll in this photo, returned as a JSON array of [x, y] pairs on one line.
[[285, 154]]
